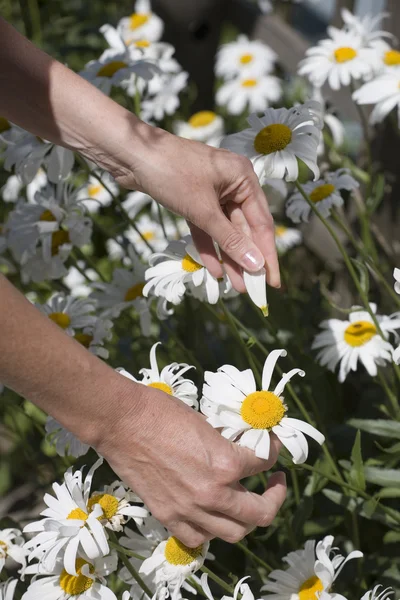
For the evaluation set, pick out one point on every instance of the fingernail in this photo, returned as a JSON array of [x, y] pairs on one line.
[[253, 261]]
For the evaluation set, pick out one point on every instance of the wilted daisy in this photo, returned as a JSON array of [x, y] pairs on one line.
[[69, 524], [366, 26], [172, 270], [384, 92], [87, 583], [11, 547], [339, 60], [275, 141], [172, 562], [27, 153], [355, 340], [244, 56], [142, 25], [250, 92], [204, 126], [396, 275], [169, 380], [286, 238], [7, 589], [94, 195], [324, 194], [312, 570], [68, 312], [232, 402], [65, 442]]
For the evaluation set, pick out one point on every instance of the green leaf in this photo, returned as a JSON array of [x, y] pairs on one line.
[[351, 504], [389, 492], [363, 274], [395, 449], [383, 477], [356, 475], [380, 427], [391, 537], [378, 194]]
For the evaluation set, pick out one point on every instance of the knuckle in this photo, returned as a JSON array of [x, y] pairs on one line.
[[227, 469], [234, 536], [194, 539], [267, 519], [245, 164], [234, 241], [164, 515]]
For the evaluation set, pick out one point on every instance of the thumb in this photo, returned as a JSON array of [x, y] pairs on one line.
[[235, 243]]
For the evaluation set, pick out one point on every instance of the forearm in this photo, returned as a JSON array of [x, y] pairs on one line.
[[48, 99], [43, 364]]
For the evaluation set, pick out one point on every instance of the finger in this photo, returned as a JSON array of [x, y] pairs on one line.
[[206, 249], [256, 510], [189, 534], [234, 273], [251, 464], [257, 215], [221, 526], [234, 242]]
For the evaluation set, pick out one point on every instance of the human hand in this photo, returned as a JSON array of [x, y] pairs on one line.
[[217, 192], [184, 470]]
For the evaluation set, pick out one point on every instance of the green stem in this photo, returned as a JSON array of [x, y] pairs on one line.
[[254, 556], [125, 551], [77, 253], [391, 396], [128, 565], [225, 586]]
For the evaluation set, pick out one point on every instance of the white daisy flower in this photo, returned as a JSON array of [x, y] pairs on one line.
[[68, 312], [65, 442], [69, 524], [95, 335], [119, 504], [27, 154], [11, 547], [396, 356], [324, 193], [161, 53], [249, 92], [143, 24], [125, 291], [166, 100], [312, 571], [151, 232], [171, 271], [7, 589], [365, 26], [240, 588], [375, 594], [338, 60], [386, 57], [79, 284], [244, 56], [231, 402], [171, 563], [203, 126], [256, 287], [384, 92], [353, 340], [169, 380], [396, 275], [286, 238], [94, 195], [87, 583], [275, 141]]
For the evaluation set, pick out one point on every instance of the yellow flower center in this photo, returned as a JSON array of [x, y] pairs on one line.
[[94, 190], [245, 59], [310, 588], [84, 338], [134, 292], [142, 44], [177, 553], [391, 59], [262, 410], [78, 514], [61, 319], [321, 192], [3, 549], [76, 585], [108, 503], [4, 125], [59, 238], [345, 54], [137, 20], [47, 215], [202, 118], [272, 138], [249, 83], [164, 387], [359, 333], [111, 68], [148, 235], [190, 265], [280, 230]]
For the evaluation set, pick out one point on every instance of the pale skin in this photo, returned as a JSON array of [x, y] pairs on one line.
[[188, 475]]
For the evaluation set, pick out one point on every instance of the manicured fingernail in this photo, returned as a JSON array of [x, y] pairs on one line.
[[253, 261]]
